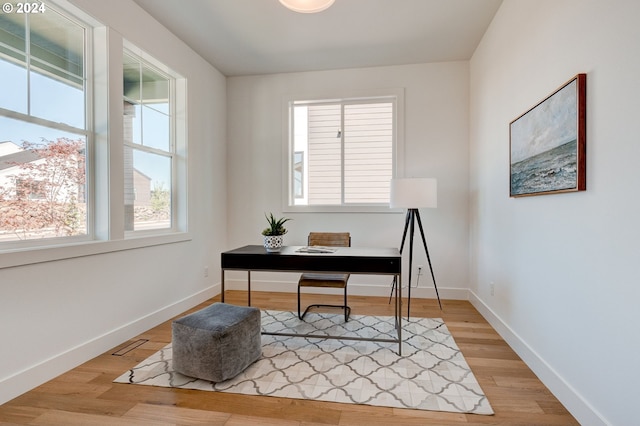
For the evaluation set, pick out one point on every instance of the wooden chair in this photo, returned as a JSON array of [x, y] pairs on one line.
[[335, 239]]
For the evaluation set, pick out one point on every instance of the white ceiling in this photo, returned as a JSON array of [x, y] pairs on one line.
[[245, 37]]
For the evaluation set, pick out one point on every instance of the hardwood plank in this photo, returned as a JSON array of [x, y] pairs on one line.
[[12, 414], [175, 415], [66, 418], [240, 420], [87, 395]]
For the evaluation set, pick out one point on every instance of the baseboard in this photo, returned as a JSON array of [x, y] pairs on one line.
[[50, 368], [354, 289], [566, 394]]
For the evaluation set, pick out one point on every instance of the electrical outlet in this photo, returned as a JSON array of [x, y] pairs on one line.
[[419, 270], [206, 271], [492, 288]]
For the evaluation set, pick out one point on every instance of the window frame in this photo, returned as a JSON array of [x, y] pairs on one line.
[[87, 132], [104, 157], [396, 95], [157, 66]]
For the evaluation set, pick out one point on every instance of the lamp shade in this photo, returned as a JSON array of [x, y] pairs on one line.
[[307, 6], [414, 193]]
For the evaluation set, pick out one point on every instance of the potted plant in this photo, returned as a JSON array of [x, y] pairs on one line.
[[273, 233]]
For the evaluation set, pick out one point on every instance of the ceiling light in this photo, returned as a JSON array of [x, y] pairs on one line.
[[307, 6]]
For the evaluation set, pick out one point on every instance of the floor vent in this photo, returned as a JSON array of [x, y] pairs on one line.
[[131, 346]]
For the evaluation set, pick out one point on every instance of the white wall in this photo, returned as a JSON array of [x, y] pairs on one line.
[[436, 145], [57, 314], [565, 265]]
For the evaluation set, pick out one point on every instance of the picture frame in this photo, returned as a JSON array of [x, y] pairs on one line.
[[548, 143]]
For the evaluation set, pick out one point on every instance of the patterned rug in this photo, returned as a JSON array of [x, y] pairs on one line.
[[431, 374]]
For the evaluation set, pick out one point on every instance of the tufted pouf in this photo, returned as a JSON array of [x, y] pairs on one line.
[[216, 343]]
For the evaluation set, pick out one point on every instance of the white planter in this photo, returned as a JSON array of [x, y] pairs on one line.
[[273, 243]]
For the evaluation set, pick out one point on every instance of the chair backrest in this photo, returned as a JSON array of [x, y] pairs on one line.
[[336, 239]]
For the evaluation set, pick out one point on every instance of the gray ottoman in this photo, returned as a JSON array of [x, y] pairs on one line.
[[216, 343]]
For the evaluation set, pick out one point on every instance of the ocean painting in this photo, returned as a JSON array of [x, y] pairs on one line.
[[544, 145], [552, 170]]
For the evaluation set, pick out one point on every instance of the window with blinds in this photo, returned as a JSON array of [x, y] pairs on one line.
[[345, 152]]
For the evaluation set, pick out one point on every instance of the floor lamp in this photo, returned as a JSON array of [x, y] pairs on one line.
[[412, 194]]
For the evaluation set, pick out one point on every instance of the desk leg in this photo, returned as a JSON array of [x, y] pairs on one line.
[[394, 296], [399, 313], [222, 284], [398, 303], [248, 288]]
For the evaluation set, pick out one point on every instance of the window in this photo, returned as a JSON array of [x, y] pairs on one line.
[[149, 145], [44, 136], [63, 157], [342, 153]]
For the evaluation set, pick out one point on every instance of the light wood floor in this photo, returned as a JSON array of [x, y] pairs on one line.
[[87, 396]]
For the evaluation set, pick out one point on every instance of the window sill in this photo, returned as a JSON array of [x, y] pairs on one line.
[[10, 259]]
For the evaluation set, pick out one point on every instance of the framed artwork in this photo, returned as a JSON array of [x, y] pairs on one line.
[[548, 143]]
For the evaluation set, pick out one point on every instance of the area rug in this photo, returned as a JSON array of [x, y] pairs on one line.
[[431, 374]]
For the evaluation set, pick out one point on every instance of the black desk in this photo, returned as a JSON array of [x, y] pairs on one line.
[[352, 260]]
